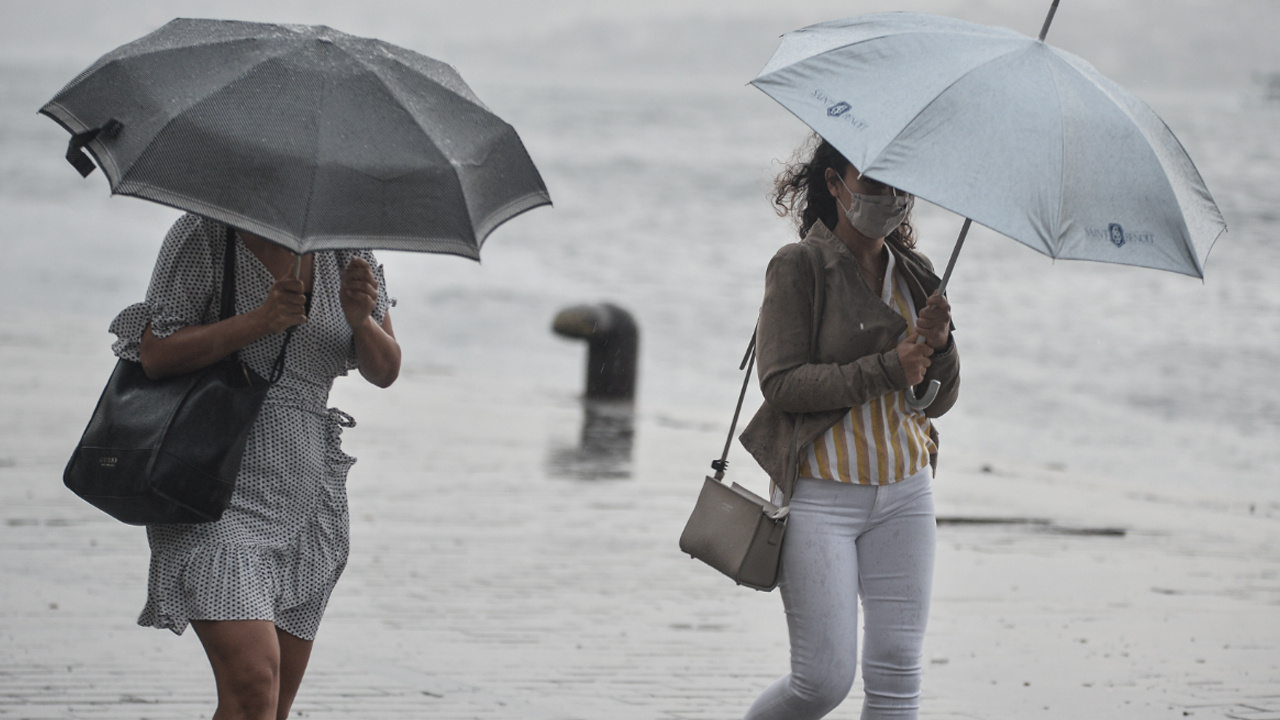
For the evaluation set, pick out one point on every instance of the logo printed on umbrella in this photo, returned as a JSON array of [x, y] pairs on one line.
[[839, 109], [1116, 234]]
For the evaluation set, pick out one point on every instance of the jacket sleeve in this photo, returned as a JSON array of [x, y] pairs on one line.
[[790, 381]]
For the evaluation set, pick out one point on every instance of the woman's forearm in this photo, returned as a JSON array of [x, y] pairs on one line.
[[197, 346], [813, 387], [377, 351]]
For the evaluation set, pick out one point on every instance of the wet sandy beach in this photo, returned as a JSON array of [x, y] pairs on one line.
[[486, 582], [1109, 544]]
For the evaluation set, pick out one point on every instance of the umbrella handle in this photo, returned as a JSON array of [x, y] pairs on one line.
[[930, 393], [920, 403]]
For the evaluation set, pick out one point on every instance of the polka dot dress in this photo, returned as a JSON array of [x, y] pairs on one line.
[[282, 543]]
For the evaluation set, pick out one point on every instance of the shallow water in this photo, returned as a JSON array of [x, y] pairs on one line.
[[659, 178]]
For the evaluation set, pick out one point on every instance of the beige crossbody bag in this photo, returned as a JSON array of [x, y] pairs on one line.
[[732, 529]]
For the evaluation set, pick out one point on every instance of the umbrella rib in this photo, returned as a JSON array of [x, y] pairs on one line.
[[315, 169], [395, 92], [177, 111], [376, 71], [1030, 44], [1098, 81], [1062, 168], [118, 56], [859, 41]]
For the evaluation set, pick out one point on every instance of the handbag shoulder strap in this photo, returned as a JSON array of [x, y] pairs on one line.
[[748, 362], [227, 309], [228, 306]]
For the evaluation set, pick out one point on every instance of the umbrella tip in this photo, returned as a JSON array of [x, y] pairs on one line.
[[1048, 20]]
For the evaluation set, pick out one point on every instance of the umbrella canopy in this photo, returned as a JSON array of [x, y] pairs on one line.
[[1004, 129], [306, 136]]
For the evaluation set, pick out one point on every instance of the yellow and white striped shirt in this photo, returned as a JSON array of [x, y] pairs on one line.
[[882, 441]]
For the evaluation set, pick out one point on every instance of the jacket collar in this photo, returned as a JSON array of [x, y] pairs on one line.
[[921, 280]]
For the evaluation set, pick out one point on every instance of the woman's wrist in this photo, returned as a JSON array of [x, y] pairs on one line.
[[946, 347], [257, 325], [364, 325]]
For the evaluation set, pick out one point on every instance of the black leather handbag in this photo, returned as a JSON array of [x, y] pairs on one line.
[[169, 450]]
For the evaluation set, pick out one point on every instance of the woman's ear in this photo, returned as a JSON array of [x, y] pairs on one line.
[[833, 180]]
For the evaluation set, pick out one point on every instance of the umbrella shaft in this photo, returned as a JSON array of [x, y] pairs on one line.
[[946, 277], [951, 264], [1048, 19]]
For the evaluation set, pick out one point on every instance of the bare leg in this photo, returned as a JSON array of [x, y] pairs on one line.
[[245, 655], [294, 654]]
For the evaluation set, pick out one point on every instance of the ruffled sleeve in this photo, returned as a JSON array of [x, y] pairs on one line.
[[384, 302], [182, 286]]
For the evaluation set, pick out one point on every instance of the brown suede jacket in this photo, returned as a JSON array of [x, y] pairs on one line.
[[855, 361]]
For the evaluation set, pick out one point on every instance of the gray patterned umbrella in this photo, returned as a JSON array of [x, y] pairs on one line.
[[304, 135]]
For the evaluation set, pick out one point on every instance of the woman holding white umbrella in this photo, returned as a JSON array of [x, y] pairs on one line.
[[837, 435], [1009, 132]]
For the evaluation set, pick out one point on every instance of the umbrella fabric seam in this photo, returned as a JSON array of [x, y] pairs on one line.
[[186, 108], [1062, 163], [395, 92], [117, 55], [881, 36], [483, 227], [315, 168], [391, 58], [1208, 195], [934, 100], [762, 75], [1188, 246], [1093, 78]]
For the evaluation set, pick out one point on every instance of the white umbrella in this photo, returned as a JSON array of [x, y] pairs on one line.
[[1004, 129], [999, 127]]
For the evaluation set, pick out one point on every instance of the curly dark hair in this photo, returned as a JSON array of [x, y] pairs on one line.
[[800, 190]]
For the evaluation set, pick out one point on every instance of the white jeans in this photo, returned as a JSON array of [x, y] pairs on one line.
[[844, 541]]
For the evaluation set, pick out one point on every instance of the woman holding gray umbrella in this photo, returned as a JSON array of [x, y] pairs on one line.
[[254, 584], [837, 435], [328, 145]]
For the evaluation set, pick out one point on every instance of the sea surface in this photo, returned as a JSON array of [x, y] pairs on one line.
[[659, 158]]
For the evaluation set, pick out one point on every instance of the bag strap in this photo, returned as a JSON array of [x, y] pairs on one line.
[[748, 362], [227, 309]]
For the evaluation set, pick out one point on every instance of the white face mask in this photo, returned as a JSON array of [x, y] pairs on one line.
[[876, 215]]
